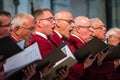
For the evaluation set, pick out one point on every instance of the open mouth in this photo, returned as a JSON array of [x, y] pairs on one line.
[[70, 31]]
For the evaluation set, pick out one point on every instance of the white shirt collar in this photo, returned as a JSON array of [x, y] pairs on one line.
[[41, 34], [58, 34], [78, 38]]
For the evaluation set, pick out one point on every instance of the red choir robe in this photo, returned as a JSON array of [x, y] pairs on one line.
[[45, 45], [55, 39], [94, 72], [77, 69], [114, 75]]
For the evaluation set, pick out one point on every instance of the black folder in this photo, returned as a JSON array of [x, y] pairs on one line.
[[54, 56], [8, 47], [93, 47], [115, 53], [68, 63]]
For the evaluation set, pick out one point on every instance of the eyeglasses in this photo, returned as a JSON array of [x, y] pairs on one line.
[[68, 21], [50, 19], [87, 27], [116, 37], [7, 25], [30, 28], [100, 27]]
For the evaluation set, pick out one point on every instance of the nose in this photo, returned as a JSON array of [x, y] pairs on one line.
[[104, 28]]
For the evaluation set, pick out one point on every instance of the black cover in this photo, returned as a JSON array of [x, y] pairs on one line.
[[66, 63], [52, 57], [115, 53], [94, 46], [8, 47]]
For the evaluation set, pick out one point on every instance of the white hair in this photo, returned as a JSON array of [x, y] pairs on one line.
[[112, 31], [19, 19]]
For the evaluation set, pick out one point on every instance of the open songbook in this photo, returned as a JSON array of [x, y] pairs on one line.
[[21, 60], [31, 55], [52, 57], [68, 61], [8, 47], [94, 46]]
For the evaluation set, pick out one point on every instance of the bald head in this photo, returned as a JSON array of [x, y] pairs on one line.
[[82, 21], [63, 15]]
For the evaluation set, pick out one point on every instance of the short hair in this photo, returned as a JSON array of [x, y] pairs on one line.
[[19, 19], [5, 13], [93, 20], [112, 32], [40, 11]]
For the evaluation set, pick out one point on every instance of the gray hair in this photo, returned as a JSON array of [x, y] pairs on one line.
[[19, 19], [113, 31], [93, 20]]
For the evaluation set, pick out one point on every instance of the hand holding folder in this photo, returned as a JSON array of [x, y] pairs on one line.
[[21, 60], [68, 61], [52, 57], [93, 47], [114, 54]]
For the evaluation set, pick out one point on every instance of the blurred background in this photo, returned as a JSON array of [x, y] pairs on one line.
[[107, 10]]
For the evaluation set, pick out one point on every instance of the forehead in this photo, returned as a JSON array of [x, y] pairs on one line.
[[97, 23], [64, 15], [82, 22], [5, 19], [67, 16], [47, 14], [28, 22]]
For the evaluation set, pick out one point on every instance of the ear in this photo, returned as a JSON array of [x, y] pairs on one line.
[[77, 29], [16, 29], [39, 23], [57, 22]]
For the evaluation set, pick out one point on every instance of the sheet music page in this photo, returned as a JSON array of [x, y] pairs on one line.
[[29, 55], [68, 52]]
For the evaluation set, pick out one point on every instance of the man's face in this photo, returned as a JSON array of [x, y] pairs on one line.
[[65, 25], [25, 31], [47, 23], [5, 26], [99, 30], [85, 32], [114, 39]]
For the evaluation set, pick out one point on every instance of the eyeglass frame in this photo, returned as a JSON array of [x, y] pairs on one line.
[[100, 27], [30, 28], [116, 36], [68, 21], [50, 19], [7, 25]]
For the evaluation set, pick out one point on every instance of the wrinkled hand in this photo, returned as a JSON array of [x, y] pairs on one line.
[[2, 75], [101, 56], [62, 73], [89, 61], [47, 70], [29, 71]]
